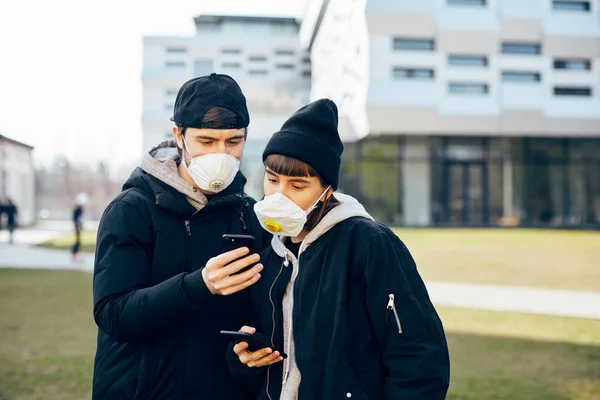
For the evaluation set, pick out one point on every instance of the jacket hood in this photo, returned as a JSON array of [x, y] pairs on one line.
[[158, 176], [349, 208]]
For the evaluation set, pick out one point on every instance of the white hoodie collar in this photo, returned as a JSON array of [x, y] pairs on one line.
[[349, 207]]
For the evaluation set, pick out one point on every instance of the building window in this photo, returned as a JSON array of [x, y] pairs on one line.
[[231, 51], [413, 73], [203, 67], [231, 65], [468, 88], [175, 64], [467, 61], [578, 6], [306, 74], [576, 65], [169, 106], [281, 27], [171, 92], [257, 58], [285, 66], [470, 3], [306, 60], [257, 72], [208, 26], [572, 91], [176, 50], [414, 44], [284, 52], [519, 76], [521, 48]]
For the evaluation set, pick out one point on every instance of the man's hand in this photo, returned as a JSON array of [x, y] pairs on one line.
[[218, 271], [258, 358]]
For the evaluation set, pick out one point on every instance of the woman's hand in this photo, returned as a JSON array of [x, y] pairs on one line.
[[258, 358]]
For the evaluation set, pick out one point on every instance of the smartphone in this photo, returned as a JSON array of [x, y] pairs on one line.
[[231, 242], [255, 341]]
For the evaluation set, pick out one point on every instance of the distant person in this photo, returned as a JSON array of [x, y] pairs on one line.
[[80, 203], [3, 206], [11, 214]]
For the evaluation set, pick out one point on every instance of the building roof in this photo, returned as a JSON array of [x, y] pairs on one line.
[[311, 22], [7, 139], [217, 19]]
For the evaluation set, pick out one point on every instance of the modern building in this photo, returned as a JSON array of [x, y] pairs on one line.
[[17, 178], [262, 54], [464, 112]]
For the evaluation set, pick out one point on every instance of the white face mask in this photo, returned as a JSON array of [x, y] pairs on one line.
[[280, 215], [212, 172]]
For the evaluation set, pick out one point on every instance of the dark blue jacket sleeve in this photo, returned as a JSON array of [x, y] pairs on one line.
[[413, 345], [252, 378], [126, 306]]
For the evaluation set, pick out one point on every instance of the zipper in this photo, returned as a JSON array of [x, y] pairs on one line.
[[273, 321], [391, 306], [286, 374], [188, 229]]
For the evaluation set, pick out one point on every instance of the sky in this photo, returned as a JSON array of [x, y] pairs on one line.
[[70, 70]]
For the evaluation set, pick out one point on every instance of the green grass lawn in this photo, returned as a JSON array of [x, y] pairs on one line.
[[48, 343], [522, 257], [66, 242], [542, 258]]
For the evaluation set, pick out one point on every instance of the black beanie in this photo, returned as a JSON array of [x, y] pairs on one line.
[[311, 135]]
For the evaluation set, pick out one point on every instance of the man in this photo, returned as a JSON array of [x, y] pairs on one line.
[[162, 290]]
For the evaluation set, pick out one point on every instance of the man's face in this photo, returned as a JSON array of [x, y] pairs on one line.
[[209, 141]]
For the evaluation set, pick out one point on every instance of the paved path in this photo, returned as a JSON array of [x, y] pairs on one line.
[[478, 296], [29, 236], [28, 256], [517, 299]]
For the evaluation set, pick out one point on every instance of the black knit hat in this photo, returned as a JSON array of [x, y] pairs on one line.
[[199, 95], [311, 135]]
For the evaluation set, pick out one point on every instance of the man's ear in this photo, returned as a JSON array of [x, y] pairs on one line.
[[178, 136]]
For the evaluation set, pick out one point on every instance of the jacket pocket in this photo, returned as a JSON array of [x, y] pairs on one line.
[[348, 387], [391, 308], [404, 315]]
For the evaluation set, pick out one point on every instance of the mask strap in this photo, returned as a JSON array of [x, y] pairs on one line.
[[188, 151], [319, 199]]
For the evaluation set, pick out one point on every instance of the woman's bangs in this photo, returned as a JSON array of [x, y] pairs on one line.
[[288, 166]]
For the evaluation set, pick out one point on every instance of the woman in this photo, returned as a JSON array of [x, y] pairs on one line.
[[340, 294]]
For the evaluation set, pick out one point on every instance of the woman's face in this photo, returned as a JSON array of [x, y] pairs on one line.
[[302, 190]]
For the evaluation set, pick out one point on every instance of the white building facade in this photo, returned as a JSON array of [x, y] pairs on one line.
[[17, 178], [464, 112], [262, 54]]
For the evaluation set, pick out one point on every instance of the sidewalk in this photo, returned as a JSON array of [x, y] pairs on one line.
[[29, 236], [516, 299], [27, 256], [477, 296]]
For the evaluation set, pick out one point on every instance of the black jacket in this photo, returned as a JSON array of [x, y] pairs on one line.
[[347, 341], [159, 325], [77, 214]]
